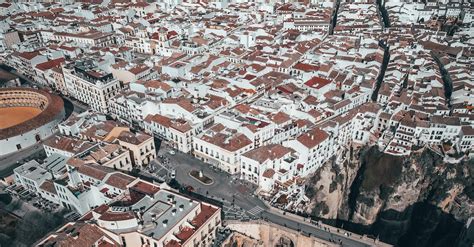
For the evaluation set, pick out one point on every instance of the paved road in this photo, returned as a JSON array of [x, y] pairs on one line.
[[11, 161], [307, 227], [225, 187], [229, 189]]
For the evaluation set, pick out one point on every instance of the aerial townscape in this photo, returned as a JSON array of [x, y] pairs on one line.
[[209, 123]]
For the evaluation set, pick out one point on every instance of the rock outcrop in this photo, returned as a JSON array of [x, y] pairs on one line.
[[366, 186]]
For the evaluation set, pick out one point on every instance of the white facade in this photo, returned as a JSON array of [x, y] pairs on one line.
[[96, 92]]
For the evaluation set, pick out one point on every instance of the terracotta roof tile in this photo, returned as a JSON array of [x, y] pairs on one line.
[[313, 137]]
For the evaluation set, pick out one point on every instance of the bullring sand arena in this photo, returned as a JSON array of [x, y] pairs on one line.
[[11, 116], [27, 116]]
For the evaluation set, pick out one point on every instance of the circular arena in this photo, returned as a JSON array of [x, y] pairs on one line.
[[27, 116]]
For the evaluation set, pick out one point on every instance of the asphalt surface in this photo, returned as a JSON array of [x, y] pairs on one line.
[[224, 187], [11, 161], [239, 197], [307, 227]]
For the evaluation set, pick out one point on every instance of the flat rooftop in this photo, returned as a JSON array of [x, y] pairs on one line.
[[169, 209]]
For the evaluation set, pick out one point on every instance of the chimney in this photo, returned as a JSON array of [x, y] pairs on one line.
[[181, 207], [190, 202], [173, 212], [312, 137], [165, 223]]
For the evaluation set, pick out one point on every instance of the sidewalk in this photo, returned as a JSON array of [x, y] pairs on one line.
[[322, 226]]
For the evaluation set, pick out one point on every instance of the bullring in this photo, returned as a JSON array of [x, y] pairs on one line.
[[27, 116]]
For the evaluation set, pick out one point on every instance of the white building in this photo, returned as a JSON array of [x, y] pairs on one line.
[[85, 82], [268, 165], [221, 147], [315, 147], [141, 146], [147, 216], [32, 174]]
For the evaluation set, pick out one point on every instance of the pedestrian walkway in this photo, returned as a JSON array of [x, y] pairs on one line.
[[256, 210], [323, 227]]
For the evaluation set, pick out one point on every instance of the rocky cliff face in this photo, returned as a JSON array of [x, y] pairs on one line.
[[368, 188]]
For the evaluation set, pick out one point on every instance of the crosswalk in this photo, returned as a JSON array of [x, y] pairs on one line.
[[256, 210]]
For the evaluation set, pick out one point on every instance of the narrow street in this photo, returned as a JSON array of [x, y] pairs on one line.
[[383, 68], [334, 17], [447, 82], [383, 14], [11, 161]]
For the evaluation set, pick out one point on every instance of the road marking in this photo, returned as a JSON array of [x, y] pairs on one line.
[[256, 210]]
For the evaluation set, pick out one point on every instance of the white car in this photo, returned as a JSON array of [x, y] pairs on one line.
[[172, 152]]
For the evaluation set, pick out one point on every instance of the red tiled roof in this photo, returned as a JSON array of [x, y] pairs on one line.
[[306, 67], [146, 188], [116, 216], [50, 64], [172, 243], [268, 152], [268, 173], [280, 118], [28, 55], [119, 180], [203, 216], [185, 233], [230, 143], [313, 137], [138, 69], [101, 209], [159, 119], [317, 82], [78, 235], [94, 171]]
